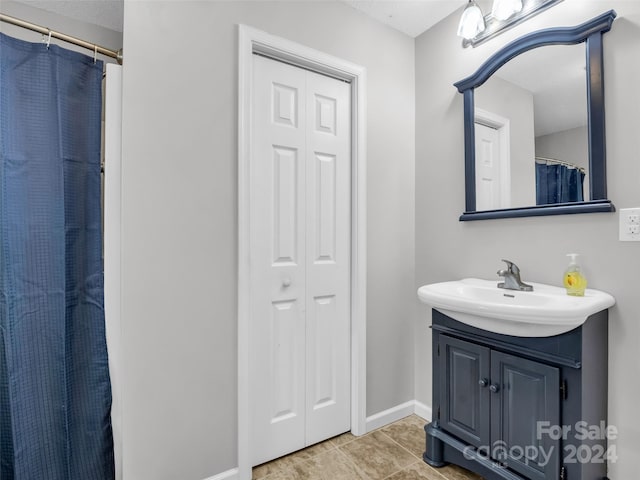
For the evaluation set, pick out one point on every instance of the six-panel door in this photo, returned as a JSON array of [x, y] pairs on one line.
[[300, 242]]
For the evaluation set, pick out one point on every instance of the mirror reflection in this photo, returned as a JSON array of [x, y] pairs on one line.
[[531, 130]]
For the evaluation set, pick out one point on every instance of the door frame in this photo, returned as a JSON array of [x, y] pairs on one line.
[[250, 41], [112, 249], [503, 126]]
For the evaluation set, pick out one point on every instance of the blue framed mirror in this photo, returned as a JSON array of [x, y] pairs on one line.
[[534, 126]]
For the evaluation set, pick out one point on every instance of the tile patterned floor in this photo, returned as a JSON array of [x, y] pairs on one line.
[[393, 452]]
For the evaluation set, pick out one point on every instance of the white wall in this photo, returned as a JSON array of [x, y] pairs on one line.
[[568, 145], [180, 219], [447, 249]]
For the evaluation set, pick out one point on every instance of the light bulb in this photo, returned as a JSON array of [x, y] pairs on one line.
[[471, 22], [504, 9]]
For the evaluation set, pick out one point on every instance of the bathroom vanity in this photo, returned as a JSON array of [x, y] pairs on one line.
[[520, 407]]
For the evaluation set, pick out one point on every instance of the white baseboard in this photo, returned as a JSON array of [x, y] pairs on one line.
[[228, 475], [398, 412], [423, 411]]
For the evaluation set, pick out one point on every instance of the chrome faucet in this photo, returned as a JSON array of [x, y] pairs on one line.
[[512, 278]]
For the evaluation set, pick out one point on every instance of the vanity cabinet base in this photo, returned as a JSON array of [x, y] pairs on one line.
[[443, 449], [544, 397]]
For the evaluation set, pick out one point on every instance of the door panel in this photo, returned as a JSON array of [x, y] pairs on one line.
[[328, 261], [325, 216], [285, 105], [285, 218], [283, 368], [488, 187], [277, 243], [465, 402], [321, 326], [529, 392]]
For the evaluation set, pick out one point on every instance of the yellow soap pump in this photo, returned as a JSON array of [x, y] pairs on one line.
[[574, 281]]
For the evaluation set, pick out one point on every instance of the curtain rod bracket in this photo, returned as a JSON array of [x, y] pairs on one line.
[[62, 36]]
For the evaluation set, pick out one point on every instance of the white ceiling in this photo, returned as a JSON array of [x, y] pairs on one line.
[[409, 16], [105, 13]]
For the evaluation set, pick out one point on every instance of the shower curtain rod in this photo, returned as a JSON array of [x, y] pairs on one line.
[[560, 162], [117, 54]]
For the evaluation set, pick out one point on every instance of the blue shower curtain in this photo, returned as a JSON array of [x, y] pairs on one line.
[[556, 183], [55, 394]]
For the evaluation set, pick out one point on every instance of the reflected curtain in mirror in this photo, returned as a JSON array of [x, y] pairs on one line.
[[558, 183], [55, 393]]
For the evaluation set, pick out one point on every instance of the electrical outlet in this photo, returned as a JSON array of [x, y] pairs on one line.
[[629, 225]]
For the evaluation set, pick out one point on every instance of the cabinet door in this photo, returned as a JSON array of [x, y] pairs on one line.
[[464, 394], [524, 394]]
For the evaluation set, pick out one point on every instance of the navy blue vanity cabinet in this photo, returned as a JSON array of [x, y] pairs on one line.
[[515, 408], [464, 392]]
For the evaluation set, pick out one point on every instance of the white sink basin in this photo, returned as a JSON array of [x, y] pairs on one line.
[[545, 312]]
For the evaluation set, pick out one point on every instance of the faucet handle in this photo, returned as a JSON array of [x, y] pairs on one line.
[[511, 267]]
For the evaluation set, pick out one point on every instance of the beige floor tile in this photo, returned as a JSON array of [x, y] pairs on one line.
[[408, 432], [284, 474], [332, 465], [417, 471], [343, 439], [414, 420], [377, 455], [382, 454], [288, 461], [453, 472]]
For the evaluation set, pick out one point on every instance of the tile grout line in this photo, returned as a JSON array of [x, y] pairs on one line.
[[401, 446], [406, 450], [364, 474], [352, 463], [334, 447], [358, 469], [294, 461], [418, 459], [401, 470]]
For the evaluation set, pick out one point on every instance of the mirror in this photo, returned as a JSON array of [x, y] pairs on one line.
[[534, 126], [530, 127]]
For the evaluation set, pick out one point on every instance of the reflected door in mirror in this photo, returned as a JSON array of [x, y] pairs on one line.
[[492, 167]]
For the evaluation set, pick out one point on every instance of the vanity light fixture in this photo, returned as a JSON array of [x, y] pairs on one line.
[[475, 27], [505, 9], [471, 22]]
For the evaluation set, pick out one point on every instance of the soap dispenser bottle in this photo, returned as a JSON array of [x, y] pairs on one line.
[[574, 281]]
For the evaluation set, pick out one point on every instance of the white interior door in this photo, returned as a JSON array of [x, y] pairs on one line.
[[300, 262], [488, 186], [328, 221]]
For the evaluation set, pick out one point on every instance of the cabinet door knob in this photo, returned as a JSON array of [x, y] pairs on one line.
[[483, 382], [286, 282], [494, 388]]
